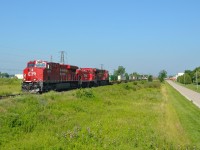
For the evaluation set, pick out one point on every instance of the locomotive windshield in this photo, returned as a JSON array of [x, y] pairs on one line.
[[30, 65], [40, 64]]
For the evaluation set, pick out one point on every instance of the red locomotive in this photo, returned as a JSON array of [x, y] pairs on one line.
[[40, 76], [93, 77]]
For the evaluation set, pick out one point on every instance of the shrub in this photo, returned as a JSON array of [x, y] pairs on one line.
[[81, 93], [135, 82], [142, 82], [126, 86], [150, 78]]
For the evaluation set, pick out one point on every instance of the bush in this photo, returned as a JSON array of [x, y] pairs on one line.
[[127, 87], [81, 93], [135, 82], [150, 78], [142, 82]]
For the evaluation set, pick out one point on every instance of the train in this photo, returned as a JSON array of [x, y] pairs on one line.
[[41, 76]]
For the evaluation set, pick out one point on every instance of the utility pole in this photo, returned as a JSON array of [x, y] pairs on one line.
[[62, 57], [196, 80], [51, 59], [184, 78]]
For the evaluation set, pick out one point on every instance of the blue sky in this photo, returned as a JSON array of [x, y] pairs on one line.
[[143, 36]]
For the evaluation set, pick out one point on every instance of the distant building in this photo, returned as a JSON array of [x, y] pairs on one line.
[[178, 75], [19, 76], [121, 78]]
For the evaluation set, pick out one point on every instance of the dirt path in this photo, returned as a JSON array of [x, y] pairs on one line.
[[189, 94]]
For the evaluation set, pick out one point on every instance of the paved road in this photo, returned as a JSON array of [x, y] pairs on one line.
[[189, 94]]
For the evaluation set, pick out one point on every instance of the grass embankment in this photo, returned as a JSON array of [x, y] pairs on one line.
[[122, 116], [188, 115], [191, 86], [9, 86]]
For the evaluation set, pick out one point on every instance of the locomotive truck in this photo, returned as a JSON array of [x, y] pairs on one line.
[[40, 76]]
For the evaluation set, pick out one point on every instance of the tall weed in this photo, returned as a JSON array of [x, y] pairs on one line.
[[85, 93]]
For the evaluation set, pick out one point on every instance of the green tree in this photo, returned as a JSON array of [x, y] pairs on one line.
[[180, 79], [119, 71], [114, 76], [196, 75], [185, 79], [190, 73], [4, 75], [127, 76], [150, 78], [162, 75]]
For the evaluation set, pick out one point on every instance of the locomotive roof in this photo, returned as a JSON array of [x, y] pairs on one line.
[[34, 61], [95, 69], [69, 66]]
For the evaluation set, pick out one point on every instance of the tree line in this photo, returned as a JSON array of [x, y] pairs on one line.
[[121, 71], [4, 75], [190, 76]]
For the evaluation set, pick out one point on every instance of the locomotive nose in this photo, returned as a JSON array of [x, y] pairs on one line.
[[30, 75]]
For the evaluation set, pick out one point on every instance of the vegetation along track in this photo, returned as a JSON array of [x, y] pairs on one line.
[[20, 94], [9, 96]]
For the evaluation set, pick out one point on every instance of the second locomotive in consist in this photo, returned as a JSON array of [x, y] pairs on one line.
[[41, 76]]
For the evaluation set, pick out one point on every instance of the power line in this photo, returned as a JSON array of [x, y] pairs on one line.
[[197, 80]]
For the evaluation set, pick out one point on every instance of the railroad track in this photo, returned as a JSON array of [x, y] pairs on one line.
[[9, 96], [19, 94]]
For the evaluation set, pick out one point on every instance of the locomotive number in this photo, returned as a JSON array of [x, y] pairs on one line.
[[32, 74]]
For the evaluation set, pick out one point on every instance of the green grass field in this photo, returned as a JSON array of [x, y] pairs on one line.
[[9, 86], [133, 115], [191, 86]]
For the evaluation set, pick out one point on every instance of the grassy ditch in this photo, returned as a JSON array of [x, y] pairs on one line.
[[136, 115], [188, 115]]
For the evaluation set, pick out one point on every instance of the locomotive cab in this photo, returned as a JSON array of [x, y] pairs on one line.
[[33, 76], [41, 76]]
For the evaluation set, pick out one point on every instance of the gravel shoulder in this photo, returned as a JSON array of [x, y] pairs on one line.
[[189, 94]]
